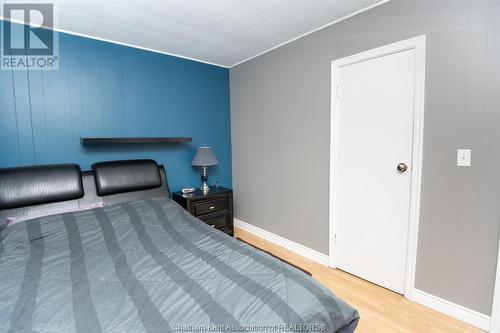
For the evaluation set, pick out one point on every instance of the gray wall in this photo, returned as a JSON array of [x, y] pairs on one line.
[[280, 110]]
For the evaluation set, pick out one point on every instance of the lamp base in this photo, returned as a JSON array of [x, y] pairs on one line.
[[204, 178], [204, 187]]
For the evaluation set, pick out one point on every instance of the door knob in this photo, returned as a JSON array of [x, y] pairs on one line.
[[402, 167]]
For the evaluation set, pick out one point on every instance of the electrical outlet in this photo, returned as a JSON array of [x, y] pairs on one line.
[[464, 157]]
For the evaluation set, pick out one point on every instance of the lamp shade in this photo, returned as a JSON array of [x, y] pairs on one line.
[[204, 157]]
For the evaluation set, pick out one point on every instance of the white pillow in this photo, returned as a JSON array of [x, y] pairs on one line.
[[9, 220]]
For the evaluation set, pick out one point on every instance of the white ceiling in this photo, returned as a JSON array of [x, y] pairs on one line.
[[221, 32]]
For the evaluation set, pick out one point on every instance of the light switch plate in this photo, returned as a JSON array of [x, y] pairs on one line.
[[464, 157]]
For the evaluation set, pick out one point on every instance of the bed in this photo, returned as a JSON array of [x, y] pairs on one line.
[[107, 250]]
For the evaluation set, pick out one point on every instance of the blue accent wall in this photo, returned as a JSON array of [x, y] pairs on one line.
[[104, 89]]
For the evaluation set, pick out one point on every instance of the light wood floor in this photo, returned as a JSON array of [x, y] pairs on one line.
[[380, 309]]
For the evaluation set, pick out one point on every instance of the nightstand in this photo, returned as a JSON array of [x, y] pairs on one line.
[[215, 208]]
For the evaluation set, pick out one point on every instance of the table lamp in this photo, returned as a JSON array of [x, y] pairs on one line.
[[204, 158]]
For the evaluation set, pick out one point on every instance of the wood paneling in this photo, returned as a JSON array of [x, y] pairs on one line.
[[104, 90]]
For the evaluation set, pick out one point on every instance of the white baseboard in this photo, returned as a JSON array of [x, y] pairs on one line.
[[283, 242], [459, 312]]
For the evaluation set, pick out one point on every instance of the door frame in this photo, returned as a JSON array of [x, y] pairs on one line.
[[419, 45], [495, 311]]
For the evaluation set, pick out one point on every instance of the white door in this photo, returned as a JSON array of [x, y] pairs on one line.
[[374, 119]]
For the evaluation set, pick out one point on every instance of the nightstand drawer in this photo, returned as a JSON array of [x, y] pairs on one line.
[[218, 221], [206, 207]]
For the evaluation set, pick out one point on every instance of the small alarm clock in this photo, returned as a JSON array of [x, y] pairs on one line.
[[187, 190]]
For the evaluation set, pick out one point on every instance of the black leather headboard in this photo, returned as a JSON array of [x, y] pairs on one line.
[[126, 176], [29, 186], [17, 203]]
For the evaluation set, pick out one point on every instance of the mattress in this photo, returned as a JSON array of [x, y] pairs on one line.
[[149, 266]]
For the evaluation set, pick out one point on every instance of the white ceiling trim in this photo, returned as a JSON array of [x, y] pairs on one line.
[[207, 62], [122, 44], [313, 31]]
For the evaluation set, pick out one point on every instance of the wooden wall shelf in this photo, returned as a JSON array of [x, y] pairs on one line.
[[112, 140]]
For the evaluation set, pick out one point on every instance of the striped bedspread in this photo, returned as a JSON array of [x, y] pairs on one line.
[[148, 266]]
